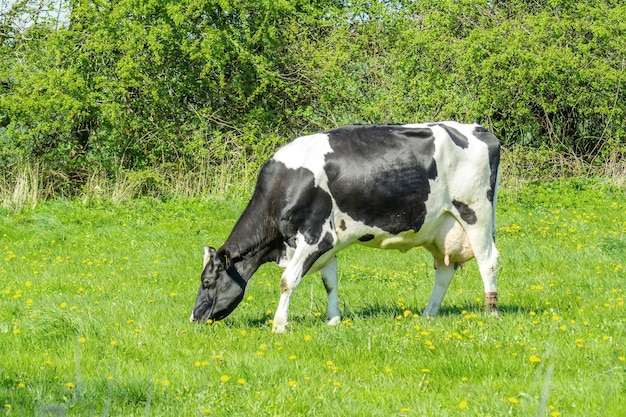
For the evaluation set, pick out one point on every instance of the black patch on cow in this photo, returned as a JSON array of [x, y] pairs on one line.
[[301, 206], [467, 214], [493, 147], [323, 246], [285, 202], [380, 175], [366, 238], [457, 137], [342, 225]]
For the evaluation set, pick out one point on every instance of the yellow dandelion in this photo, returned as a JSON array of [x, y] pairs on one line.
[[534, 359], [82, 339], [405, 410], [241, 381], [292, 357], [292, 383], [308, 338], [224, 378], [622, 358], [113, 343], [166, 383], [70, 385], [462, 405], [513, 400]]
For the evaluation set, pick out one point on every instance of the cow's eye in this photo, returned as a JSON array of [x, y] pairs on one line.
[[209, 282]]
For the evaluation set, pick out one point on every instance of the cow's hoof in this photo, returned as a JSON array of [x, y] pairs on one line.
[[492, 311], [430, 311], [276, 328], [333, 321]]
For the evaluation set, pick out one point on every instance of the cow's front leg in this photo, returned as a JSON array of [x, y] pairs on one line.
[[443, 277], [303, 258], [329, 277], [288, 283]]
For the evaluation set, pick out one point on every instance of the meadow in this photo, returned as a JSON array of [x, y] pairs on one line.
[[95, 299]]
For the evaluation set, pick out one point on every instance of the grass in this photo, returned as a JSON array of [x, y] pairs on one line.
[[95, 297]]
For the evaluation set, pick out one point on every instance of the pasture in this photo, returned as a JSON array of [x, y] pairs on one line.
[[95, 300]]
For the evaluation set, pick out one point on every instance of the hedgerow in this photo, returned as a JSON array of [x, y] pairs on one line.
[[186, 86]]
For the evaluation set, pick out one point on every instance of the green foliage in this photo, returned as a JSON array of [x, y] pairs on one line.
[[95, 299], [155, 84]]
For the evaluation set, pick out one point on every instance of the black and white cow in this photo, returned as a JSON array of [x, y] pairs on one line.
[[386, 186]]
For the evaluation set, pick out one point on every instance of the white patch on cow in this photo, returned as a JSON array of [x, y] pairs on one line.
[[307, 152]]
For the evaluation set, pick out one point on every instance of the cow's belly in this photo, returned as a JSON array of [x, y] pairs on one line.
[[444, 237]]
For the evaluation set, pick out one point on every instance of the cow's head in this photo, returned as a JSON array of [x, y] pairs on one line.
[[221, 287]]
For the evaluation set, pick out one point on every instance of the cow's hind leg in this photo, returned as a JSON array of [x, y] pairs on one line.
[[329, 277], [487, 257], [443, 277]]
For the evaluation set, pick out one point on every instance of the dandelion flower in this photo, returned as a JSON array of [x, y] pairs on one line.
[[241, 381], [534, 359], [70, 385], [462, 405], [513, 400], [224, 378]]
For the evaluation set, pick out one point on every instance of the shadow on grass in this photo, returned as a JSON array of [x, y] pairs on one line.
[[392, 311], [374, 310]]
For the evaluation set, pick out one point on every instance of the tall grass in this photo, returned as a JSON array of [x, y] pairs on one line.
[[95, 297], [30, 183]]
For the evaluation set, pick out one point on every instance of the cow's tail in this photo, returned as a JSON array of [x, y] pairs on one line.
[[495, 186]]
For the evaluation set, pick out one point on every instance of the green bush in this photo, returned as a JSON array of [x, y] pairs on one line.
[[155, 84]]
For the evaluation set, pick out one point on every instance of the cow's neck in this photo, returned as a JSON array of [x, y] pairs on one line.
[[252, 242]]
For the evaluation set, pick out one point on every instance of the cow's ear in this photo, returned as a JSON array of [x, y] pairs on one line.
[[224, 256], [209, 255]]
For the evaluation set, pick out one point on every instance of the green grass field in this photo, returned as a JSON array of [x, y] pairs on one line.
[[95, 300]]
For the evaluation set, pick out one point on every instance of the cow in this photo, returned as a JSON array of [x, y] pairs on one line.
[[385, 186]]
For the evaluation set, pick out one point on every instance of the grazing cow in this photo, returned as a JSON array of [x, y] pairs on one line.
[[386, 186]]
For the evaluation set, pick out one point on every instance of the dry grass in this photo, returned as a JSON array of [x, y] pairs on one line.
[[30, 183], [21, 190]]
